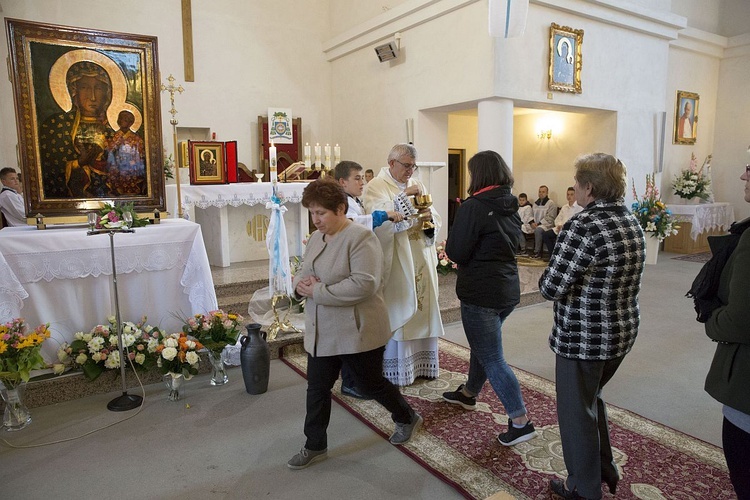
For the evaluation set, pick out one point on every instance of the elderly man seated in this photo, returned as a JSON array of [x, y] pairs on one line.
[[545, 211], [566, 212]]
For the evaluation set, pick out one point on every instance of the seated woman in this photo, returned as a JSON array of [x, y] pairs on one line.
[[346, 319]]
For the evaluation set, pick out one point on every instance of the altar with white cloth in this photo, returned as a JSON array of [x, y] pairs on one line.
[[697, 223], [63, 277], [234, 217]]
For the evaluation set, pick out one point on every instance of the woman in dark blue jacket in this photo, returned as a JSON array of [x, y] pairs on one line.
[[483, 241]]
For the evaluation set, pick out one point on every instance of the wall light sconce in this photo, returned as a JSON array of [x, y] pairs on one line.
[[545, 134], [390, 50]]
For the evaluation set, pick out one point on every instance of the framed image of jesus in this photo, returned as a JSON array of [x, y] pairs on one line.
[[88, 119]]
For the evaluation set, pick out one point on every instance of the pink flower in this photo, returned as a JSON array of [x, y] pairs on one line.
[[112, 216]]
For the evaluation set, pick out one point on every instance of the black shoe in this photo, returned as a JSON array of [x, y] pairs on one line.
[[558, 488], [457, 397], [514, 436], [353, 393], [536, 255]]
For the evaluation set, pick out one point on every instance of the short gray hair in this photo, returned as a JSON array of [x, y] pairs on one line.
[[402, 149]]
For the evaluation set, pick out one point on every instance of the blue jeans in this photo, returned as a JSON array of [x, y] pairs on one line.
[[483, 329]]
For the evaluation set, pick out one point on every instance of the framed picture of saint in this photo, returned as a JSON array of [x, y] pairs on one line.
[[207, 162], [88, 119], [686, 118], [565, 58]]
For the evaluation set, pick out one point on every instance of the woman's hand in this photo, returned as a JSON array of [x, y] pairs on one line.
[[305, 286]]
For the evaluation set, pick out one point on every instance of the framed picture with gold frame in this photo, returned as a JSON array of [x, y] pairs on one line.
[[565, 59], [88, 118], [207, 162], [686, 118]]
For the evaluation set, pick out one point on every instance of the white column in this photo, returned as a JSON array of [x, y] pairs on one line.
[[495, 122]]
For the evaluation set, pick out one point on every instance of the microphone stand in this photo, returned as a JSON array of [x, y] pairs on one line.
[[126, 401]]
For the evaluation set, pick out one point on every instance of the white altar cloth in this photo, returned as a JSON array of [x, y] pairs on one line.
[[704, 216], [63, 277], [225, 232]]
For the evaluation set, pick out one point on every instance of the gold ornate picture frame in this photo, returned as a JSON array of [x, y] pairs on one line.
[[565, 58], [88, 119], [207, 163], [686, 118]]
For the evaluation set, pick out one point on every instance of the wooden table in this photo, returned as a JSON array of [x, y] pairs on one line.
[[697, 223]]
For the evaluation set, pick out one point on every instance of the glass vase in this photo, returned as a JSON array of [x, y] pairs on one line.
[[173, 382], [218, 370], [16, 415]]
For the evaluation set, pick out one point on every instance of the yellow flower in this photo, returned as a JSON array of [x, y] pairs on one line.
[[3, 347]]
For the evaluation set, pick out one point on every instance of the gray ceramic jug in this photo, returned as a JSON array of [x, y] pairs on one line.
[[255, 359]]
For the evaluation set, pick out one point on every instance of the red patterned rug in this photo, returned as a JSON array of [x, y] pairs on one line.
[[459, 446]]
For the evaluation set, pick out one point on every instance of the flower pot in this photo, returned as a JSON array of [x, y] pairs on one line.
[[16, 415], [652, 248], [173, 382], [218, 371]]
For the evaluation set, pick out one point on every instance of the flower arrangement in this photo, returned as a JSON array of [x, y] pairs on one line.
[[98, 350], [214, 330], [652, 213], [445, 265], [110, 216], [20, 352], [178, 355], [692, 182]]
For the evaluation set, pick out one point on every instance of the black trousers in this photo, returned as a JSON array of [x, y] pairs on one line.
[[366, 368], [582, 416], [736, 444]]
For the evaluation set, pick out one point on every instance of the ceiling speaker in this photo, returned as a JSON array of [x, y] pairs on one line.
[[387, 51]]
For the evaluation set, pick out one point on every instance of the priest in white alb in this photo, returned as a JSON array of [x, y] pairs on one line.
[[411, 282]]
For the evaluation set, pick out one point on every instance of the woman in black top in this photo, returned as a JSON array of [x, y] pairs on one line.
[[483, 242]]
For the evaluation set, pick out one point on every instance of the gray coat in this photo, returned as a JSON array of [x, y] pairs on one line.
[[347, 313]]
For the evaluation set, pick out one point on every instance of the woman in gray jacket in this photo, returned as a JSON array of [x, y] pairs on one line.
[[346, 319]]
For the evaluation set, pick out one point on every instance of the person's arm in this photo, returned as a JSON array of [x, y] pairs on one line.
[[12, 204], [729, 323], [548, 222], [572, 256], [463, 235]]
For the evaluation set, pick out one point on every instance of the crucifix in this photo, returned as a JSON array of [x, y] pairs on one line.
[[172, 89]]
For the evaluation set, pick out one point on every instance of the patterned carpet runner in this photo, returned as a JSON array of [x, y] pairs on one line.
[[460, 446]]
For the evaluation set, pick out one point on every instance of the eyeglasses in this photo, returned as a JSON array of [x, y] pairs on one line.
[[407, 166], [747, 170]]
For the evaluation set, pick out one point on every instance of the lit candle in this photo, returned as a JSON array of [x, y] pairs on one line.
[[317, 155], [272, 162], [327, 161], [307, 155], [336, 154]]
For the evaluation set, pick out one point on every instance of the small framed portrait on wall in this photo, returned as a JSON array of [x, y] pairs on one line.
[[686, 118], [207, 165], [565, 59]]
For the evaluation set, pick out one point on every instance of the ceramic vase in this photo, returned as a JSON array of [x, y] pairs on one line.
[[16, 415], [255, 359], [174, 383], [218, 370]]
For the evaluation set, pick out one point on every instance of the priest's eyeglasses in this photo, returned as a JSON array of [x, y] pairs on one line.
[[747, 170], [407, 166]]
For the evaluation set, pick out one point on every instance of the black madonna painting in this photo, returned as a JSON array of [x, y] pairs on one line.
[[88, 118]]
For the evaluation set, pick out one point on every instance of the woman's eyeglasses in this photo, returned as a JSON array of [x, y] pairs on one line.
[[747, 170]]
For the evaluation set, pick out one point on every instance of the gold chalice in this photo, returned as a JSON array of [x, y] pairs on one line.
[[421, 202]]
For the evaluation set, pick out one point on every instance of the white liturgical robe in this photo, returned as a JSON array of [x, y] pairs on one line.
[[411, 281]]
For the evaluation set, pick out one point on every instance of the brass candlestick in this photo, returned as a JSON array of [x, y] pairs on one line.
[[280, 325]]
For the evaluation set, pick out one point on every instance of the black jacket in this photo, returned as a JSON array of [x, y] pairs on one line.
[[483, 241]]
